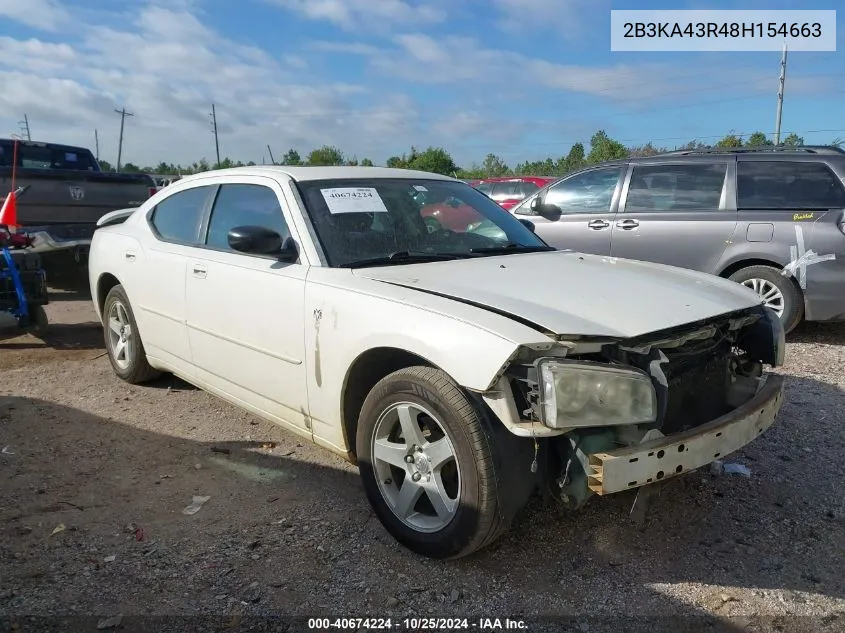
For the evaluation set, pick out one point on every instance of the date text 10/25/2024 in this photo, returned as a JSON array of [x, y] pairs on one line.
[[417, 624]]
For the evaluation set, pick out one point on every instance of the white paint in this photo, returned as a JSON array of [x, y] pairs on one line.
[[801, 258], [353, 200], [242, 327]]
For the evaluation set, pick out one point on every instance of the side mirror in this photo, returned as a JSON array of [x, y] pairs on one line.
[[259, 240], [527, 224]]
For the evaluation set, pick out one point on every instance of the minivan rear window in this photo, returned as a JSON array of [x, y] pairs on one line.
[[789, 185]]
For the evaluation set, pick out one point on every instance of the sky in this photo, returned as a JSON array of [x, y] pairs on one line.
[[523, 79]]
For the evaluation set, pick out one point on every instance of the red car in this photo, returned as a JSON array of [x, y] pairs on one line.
[[510, 191]]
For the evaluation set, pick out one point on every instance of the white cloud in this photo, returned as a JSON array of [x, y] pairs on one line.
[[454, 59], [351, 48], [350, 14], [46, 15], [168, 67], [568, 18]]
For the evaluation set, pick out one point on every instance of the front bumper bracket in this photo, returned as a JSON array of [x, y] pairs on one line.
[[672, 455]]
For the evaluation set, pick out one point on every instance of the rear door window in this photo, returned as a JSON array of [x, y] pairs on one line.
[[178, 217], [667, 188], [788, 185]]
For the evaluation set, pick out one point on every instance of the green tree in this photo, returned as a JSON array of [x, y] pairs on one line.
[[130, 168], [291, 157], [793, 140], [837, 142], [693, 146], [494, 166], [106, 165], [731, 140], [603, 148], [646, 150], [366, 162], [758, 139], [352, 162], [435, 160], [397, 162], [325, 155]]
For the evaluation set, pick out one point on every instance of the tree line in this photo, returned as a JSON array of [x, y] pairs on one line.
[[438, 160]]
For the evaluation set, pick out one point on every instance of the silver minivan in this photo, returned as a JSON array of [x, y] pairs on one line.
[[773, 220]]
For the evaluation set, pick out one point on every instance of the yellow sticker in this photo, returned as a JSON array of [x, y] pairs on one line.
[[802, 216]]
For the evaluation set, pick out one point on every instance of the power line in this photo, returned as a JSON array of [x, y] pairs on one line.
[[123, 114]]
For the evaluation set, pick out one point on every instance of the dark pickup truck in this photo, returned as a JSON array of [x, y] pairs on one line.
[[61, 193]]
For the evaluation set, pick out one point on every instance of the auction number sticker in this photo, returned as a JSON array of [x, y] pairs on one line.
[[353, 200]]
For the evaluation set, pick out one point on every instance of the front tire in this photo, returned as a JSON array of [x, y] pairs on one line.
[[123, 340], [428, 465], [779, 292]]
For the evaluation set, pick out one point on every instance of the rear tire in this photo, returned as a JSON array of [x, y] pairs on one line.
[[780, 292], [445, 503], [123, 340], [40, 323]]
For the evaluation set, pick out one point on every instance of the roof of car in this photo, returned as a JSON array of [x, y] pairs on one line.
[[303, 174]]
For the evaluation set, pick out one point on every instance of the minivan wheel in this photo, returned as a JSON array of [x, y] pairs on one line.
[[777, 291], [428, 464], [123, 341]]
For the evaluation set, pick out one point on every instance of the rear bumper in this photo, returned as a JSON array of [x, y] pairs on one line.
[[665, 457]]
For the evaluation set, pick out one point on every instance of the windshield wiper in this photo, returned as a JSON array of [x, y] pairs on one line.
[[404, 257], [513, 248]]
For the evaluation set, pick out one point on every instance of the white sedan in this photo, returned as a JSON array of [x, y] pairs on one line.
[[462, 370]]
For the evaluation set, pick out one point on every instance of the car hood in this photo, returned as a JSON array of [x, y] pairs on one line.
[[572, 293]]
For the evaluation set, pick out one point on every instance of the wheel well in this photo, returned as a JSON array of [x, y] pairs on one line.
[[366, 371], [745, 263], [106, 282]]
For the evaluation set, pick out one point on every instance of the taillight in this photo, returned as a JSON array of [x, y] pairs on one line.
[[153, 192]]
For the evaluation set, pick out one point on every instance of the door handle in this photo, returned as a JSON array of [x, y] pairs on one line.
[[598, 225], [200, 271], [130, 255], [627, 225]]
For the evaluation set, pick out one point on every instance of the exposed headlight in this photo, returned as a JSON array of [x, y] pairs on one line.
[[578, 394]]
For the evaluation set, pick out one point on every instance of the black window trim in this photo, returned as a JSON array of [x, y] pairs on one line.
[[825, 165], [205, 218], [727, 201]]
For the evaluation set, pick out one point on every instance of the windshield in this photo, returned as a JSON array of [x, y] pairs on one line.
[[358, 220]]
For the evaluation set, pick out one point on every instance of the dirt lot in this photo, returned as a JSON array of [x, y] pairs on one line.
[[94, 476]]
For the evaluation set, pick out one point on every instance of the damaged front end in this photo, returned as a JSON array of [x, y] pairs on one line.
[[608, 416]]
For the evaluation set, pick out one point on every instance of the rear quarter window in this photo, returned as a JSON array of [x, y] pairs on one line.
[[788, 185]]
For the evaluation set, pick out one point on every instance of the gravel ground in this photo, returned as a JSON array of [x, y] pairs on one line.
[[95, 474]]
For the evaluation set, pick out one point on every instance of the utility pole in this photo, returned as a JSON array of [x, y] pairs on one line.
[[123, 114], [272, 160], [781, 84], [25, 127], [96, 145], [214, 129]]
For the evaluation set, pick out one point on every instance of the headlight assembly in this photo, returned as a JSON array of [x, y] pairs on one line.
[[579, 394]]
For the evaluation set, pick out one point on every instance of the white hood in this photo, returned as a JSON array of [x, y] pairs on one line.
[[577, 294]]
